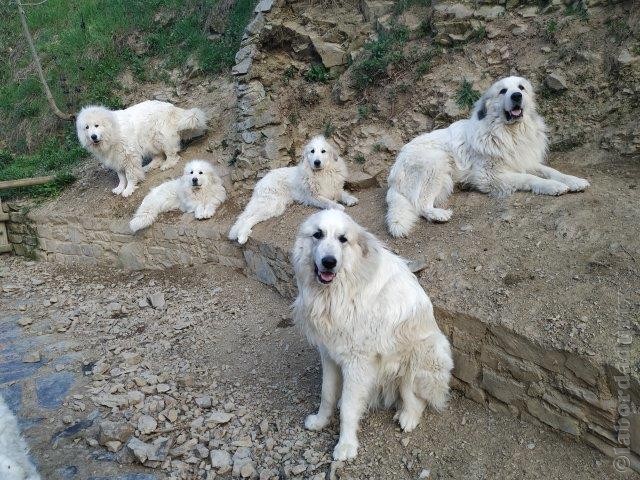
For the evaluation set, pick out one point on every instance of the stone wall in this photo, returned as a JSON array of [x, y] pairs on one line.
[[85, 240]]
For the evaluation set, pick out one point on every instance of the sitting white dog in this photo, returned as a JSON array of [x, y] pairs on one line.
[[14, 458], [119, 139], [199, 190], [317, 181], [373, 324], [499, 149]]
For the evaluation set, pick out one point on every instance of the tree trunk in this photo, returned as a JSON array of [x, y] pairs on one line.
[[36, 60]]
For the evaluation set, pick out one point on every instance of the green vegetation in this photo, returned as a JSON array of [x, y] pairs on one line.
[[466, 96], [317, 74], [364, 111], [377, 147], [403, 5], [371, 68], [359, 158], [84, 45], [328, 129], [618, 29], [578, 9]]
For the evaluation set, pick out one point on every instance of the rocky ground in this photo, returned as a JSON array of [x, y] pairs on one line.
[[198, 373]]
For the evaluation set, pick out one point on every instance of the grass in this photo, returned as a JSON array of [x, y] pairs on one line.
[[371, 68], [83, 53], [359, 158], [403, 5], [317, 74], [466, 96], [364, 111], [578, 9], [328, 129]]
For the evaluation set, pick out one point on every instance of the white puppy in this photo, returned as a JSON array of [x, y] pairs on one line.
[[373, 324], [121, 138], [14, 458], [499, 149], [317, 181], [199, 190]]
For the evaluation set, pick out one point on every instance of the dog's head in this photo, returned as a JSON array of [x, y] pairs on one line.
[[508, 100], [95, 127], [330, 244], [319, 153], [198, 174]]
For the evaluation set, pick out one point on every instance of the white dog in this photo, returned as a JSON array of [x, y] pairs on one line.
[[317, 181], [498, 150], [14, 459], [199, 190], [373, 324], [121, 138]]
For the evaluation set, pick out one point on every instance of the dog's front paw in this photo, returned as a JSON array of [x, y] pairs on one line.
[[350, 201], [118, 190], [576, 184], [345, 450], [315, 422], [550, 187], [336, 206], [408, 420], [128, 191]]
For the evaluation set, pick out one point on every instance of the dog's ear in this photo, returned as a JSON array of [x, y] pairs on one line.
[[481, 106], [366, 242]]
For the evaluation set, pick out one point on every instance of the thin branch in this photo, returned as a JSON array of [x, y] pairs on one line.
[[36, 60]]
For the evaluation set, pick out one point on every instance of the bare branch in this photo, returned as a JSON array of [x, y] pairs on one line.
[[36, 61]]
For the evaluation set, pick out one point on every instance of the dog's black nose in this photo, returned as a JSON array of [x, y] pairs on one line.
[[194, 181], [316, 163], [329, 261], [516, 97], [94, 137]]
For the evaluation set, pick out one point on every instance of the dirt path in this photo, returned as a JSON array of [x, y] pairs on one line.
[[217, 366]]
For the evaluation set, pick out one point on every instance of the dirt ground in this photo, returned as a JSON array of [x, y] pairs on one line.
[[222, 335]]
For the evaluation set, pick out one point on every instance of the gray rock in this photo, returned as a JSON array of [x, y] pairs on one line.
[[147, 424], [556, 81], [331, 54], [110, 431], [157, 300], [156, 451], [220, 458], [204, 401], [263, 6], [361, 181]]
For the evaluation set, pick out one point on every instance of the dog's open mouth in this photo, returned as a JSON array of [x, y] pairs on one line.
[[514, 114], [95, 142], [325, 277]]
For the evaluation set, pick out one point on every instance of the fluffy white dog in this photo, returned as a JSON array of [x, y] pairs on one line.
[[121, 138], [14, 459], [317, 181], [499, 149], [373, 324], [199, 190]]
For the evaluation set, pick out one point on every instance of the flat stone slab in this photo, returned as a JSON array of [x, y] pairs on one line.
[[52, 388]]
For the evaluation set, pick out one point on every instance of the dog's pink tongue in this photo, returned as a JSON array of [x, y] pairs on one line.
[[327, 276], [516, 111]]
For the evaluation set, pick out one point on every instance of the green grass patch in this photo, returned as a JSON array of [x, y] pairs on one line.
[[371, 68], [317, 74], [466, 96], [84, 45]]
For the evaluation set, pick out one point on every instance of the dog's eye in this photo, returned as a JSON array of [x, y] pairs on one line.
[[520, 87], [87, 127], [313, 150], [342, 239], [199, 173], [191, 172], [503, 91], [323, 151], [318, 235], [96, 126]]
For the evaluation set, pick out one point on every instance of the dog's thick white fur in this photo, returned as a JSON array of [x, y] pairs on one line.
[[373, 325], [499, 149], [199, 191], [317, 181], [120, 139], [14, 459]]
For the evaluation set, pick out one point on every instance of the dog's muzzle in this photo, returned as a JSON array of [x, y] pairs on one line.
[[516, 109], [325, 273], [194, 182]]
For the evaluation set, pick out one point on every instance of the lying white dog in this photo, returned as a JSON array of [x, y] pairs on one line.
[[317, 181], [121, 138], [499, 149], [373, 324], [199, 190], [14, 459]]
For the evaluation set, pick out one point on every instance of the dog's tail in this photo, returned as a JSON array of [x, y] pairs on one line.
[[433, 373], [194, 119], [142, 220], [401, 214]]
